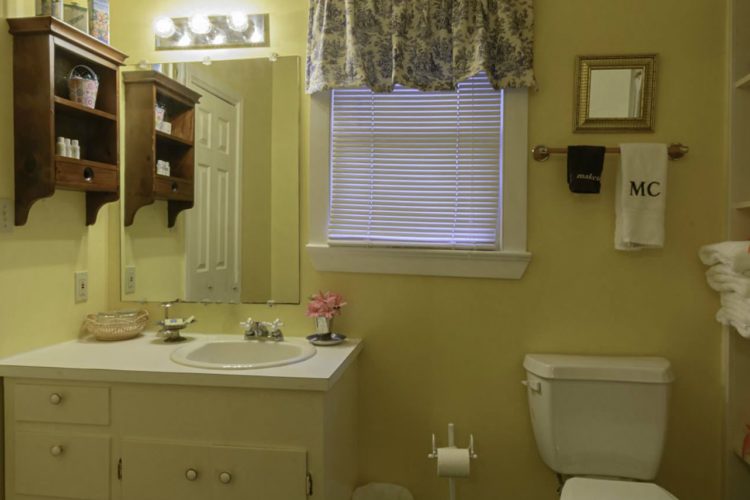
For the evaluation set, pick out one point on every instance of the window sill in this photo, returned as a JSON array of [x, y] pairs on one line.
[[455, 263]]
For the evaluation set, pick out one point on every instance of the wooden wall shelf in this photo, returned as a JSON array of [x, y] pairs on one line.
[[44, 51], [145, 145]]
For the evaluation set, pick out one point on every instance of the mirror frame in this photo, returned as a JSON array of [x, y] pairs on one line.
[[584, 66]]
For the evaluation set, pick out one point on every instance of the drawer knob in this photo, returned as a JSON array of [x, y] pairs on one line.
[[88, 174], [191, 474], [225, 477], [56, 450], [55, 398]]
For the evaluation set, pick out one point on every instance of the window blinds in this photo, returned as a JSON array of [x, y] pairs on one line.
[[416, 169]]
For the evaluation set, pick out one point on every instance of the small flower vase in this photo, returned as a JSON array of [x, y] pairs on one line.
[[323, 325]]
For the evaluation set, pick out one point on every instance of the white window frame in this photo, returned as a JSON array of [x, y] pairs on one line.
[[509, 262]]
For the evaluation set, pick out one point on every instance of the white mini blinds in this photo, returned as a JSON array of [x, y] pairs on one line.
[[417, 169]]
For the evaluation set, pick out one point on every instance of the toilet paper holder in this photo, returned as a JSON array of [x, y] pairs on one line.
[[452, 443]]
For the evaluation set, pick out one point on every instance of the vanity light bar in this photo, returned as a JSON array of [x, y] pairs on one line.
[[542, 152]]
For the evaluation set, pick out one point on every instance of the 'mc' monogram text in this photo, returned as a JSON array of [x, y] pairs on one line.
[[643, 189]]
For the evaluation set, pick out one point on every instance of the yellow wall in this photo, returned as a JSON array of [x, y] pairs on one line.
[[441, 349], [38, 260]]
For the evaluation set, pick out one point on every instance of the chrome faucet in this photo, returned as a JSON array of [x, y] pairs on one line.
[[260, 330]]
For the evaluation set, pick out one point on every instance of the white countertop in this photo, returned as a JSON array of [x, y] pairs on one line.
[[145, 359]]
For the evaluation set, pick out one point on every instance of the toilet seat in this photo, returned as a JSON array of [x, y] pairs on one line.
[[579, 488]]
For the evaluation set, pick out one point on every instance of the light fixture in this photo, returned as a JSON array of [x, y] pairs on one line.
[[199, 24], [201, 31], [257, 36], [164, 27], [185, 40], [237, 21], [220, 38]]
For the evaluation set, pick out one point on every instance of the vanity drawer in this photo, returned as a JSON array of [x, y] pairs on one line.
[[62, 465], [172, 188], [86, 175], [64, 404]]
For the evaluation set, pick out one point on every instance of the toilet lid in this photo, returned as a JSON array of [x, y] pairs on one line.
[[579, 488]]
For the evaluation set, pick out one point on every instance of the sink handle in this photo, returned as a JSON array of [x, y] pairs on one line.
[[276, 333]]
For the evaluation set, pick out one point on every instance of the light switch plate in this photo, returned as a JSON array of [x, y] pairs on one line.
[[82, 286], [129, 279], [7, 215]]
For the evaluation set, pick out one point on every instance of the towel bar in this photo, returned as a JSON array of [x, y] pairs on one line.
[[542, 152]]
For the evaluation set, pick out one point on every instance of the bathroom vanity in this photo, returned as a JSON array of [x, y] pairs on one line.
[[92, 420]]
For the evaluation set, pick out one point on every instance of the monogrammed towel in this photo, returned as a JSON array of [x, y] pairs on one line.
[[640, 196], [585, 168]]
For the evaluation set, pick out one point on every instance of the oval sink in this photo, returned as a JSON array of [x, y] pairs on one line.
[[242, 354]]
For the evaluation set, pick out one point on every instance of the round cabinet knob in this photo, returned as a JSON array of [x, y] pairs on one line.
[[225, 477], [191, 474], [56, 450], [55, 398]]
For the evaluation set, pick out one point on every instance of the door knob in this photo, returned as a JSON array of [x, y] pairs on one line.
[[225, 477]]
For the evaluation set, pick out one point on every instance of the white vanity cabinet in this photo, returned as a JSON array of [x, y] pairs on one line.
[[110, 435], [156, 471]]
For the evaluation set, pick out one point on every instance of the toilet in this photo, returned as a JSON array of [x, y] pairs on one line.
[[600, 422]]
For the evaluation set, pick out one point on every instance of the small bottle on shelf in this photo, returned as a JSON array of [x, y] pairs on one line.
[[75, 149], [60, 149], [68, 148]]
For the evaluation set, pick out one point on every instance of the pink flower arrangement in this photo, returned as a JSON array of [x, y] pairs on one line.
[[325, 305]]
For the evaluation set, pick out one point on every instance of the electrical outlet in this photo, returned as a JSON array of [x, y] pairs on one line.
[[7, 215], [130, 279], [82, 286]]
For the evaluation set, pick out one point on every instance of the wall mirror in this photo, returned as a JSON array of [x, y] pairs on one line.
[[615, 93], [239, 243]]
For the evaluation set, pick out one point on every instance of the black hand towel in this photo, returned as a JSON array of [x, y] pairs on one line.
[[585, 168]]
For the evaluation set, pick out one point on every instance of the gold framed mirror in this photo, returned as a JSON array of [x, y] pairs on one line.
[[615, 93]]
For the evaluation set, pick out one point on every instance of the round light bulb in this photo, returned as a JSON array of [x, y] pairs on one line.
[[164, 27], [199, 24], [237, 21]]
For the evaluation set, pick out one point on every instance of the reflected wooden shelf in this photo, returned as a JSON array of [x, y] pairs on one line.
[[741, 205], [68, 106], [145, 145], [173, 139]]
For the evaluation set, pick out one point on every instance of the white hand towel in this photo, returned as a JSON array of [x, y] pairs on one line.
[[735, 311], [737, 306], [722, 278], [726, 252], [640, 196]]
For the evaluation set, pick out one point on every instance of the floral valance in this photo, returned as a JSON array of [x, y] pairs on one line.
[[423, 44]]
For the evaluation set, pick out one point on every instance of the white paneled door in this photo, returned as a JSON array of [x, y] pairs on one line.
[[211, 227]]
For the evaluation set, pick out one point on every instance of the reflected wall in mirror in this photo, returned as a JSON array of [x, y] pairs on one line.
[[615, 92], [240, 241]]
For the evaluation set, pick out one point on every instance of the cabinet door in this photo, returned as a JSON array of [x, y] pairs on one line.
[[258, 473], [165, 471], [62, 465]]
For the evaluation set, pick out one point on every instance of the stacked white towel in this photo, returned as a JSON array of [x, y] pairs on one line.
[[729, 274]]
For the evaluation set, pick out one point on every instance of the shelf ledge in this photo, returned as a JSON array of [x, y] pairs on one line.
[[69, 105], [173, 138]]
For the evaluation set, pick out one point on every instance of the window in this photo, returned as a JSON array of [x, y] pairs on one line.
[[417, 182]]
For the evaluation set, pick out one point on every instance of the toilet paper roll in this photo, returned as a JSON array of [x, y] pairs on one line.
[[453, 462]]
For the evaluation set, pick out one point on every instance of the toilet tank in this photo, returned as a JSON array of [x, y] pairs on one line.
[[597, 415]]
